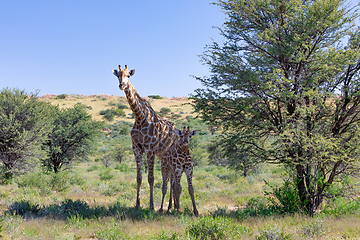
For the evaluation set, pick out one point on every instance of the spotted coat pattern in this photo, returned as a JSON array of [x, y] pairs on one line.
[[150, 134], [175, 161]]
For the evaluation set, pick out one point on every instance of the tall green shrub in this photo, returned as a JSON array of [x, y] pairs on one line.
[[24, 125], [71, 137]]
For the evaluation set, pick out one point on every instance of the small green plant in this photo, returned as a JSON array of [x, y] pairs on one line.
[[273, 233], [122, 167], [106, 175], [216, 228], [164, 236], [112, 232], [219, 211], [284, 198], [341, 207], [59, 181], [314, 229], [76, 221]]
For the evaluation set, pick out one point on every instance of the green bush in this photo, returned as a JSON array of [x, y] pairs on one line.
[[273, 233], [165, 110], [36, 180], [164, 236], [313, 229], [339, 207], [106, 175], [61, 96], [109, 116], [60, 181], [112, 232], [216, 228], [122, 106], [23, 208], [284, 198], [175, 116], [256, 206], [110, 113], [155, 97]]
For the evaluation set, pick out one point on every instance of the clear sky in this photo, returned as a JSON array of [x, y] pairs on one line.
[[71, 46]]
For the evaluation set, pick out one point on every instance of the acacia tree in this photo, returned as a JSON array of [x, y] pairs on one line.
[[71, 136], [24, 124], [286, 83]]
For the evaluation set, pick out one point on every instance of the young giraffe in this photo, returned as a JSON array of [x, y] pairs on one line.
[[150, 134], [174, 162]]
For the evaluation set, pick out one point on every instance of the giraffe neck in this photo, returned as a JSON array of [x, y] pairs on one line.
[[137, 105]]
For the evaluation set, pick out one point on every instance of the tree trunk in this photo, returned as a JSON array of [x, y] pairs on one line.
[[311, 197]]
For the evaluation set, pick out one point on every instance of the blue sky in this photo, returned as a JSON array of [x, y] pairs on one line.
[[71, 46]]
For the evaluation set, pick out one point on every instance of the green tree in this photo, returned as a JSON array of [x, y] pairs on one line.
[[71, 136], [24, 125], [286, 81]]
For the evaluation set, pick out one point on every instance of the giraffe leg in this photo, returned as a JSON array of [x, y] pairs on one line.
[[165, 178], [177, 190], [171, 192], [189, 173], [151, 159], [138, 158]]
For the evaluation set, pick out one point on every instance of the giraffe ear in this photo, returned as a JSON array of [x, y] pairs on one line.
[[178, 132], [132, 72], [115, 72], [193, 133]]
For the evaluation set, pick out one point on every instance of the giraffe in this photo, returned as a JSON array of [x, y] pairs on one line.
[[150, 134], [174, 162]]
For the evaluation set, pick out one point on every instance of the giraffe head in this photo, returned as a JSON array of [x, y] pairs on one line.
[[123, 75], [186, 135]]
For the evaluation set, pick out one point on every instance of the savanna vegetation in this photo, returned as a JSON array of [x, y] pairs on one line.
[[276, 158]]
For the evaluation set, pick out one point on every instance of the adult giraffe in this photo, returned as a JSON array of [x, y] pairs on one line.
[[150, 134]]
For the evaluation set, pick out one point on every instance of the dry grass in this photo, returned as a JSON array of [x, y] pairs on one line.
[[96, 103]]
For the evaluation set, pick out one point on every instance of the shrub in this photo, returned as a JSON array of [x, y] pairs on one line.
[[165, 110], [313, 229], [175, 116], [78, 208], [122, 106], [61, 96], [23, 208], [256, 206], [155, 97], [342, 207], [273, 233], [59, 181], [110, 113], [24, 126], [285, 198], [35, 180], [164, 236], [106, 175], [76, 221], [216, 228], [113, 232]]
